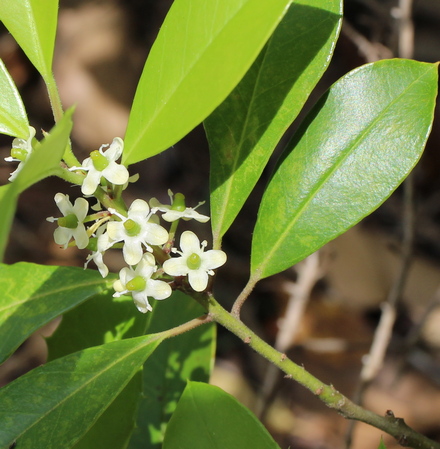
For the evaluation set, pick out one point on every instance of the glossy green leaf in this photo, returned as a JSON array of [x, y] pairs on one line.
[[55, 404], [202, 51], [206, 416], [356, 146], [13, 117], [244, 130], [46, 157], [33, 25], [8, 204], [79, 329], [118, 319], [189, 356], [33, 295]]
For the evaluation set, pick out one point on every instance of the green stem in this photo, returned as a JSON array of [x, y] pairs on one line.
[[327, 393], [58, 112]]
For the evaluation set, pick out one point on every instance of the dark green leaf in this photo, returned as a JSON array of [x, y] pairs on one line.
[[357, 145], [244, 130], [54, 405], [207, 417], [8, 203], [33, 295], [189, 356]]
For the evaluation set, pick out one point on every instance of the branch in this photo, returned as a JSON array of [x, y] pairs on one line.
[[396, 427]]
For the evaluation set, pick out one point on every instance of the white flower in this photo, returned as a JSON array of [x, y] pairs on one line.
[[71, 224], [177, 209], [103, 244], [194, 262], [23, 149], [138, 282], [136, 230], [103, 164]]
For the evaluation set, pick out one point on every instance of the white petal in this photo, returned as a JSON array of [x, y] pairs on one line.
[[115, 150], [80, 236], [155, 234], [156, 204], [213, 258], [63, 203], [141, 302], [198, 279], [91, 181], [80, 208], [175, 266], [140, 206], [158, 289], [62, 236], [116, 173], [189, 243], [116, 231], [132, 251]]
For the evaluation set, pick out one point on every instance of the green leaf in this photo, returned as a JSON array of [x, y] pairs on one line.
[[357, 145], [13, 117], [33, 25], [45, 159], [189, 356], [79, 329], [244, 130], [55, 404], [8, 204], [202, 51], [118, 319], [206, 416], [33, 295]]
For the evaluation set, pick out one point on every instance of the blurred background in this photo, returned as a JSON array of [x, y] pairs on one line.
[[324, 312]]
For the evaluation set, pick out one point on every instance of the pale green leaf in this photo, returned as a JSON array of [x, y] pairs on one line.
[[356, 146], [244, 130], [13, 117], [45, 159], [33, 25], [202, 51]]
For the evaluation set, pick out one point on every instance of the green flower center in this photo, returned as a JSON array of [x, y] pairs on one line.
[[179, 202], [194, 261], [100, 162], [137, 283], [69, 221], [19, 153], [132, 228]]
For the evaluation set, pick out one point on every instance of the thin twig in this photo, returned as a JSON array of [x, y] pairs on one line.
[[299, 294]]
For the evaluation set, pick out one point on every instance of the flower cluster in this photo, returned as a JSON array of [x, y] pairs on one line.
[[147, 246]]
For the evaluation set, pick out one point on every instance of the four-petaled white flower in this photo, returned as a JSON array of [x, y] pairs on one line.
[[194, 262], [177, 209], [71, 224], [136, 230], [21, 149], [103, 164], [138, 282]]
